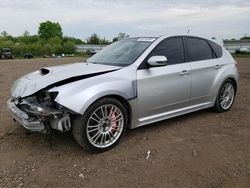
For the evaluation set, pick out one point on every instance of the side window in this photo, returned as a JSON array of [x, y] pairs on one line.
[[172, 48], [216, 48], [198, 49]]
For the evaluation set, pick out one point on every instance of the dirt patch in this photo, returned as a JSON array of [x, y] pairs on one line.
[[201, 149]]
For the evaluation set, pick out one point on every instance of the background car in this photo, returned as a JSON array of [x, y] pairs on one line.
[[5, 53], [28, 55], [93, 52], [242, 50]]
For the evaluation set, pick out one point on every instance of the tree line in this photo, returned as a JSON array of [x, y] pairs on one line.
[[49, 40]]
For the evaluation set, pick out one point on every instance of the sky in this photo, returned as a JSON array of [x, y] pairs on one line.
[[80, 18]]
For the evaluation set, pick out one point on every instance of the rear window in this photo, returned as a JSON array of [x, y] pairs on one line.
[[198, 49], [216, 48]]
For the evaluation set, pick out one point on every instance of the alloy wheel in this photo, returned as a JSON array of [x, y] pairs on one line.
[[105, 126]]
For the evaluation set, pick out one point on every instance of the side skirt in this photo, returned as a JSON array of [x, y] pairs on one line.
[[166, 115]]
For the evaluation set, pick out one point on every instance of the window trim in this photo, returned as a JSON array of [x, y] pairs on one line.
[[144, 64]]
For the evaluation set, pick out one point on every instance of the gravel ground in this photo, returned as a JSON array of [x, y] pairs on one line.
[[201, 149]]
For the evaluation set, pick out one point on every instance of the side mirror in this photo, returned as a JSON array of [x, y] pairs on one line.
[[155, 61]]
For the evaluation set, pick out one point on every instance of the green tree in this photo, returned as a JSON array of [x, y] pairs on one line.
[[49, 30], [120, 36], [55, 45], [26, 33], [115, 39], [245, 38], [93, 39], [104, 41], [73, 40], [69, 47], [4, 34], [38, 45], [6, 43]]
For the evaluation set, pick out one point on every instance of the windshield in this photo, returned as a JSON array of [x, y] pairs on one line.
[[122, 53]]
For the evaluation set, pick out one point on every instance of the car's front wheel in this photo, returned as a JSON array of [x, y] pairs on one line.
[[225, 96], [102, 125]]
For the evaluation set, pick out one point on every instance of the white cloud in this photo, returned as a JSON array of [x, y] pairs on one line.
[[108, 17]]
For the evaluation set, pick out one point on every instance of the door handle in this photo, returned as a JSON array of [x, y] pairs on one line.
[[184, 72], [217, 66]]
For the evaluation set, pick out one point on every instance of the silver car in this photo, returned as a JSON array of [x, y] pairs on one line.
[[128, 84]]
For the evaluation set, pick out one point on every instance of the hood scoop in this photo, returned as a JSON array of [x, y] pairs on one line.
[[44, 71]]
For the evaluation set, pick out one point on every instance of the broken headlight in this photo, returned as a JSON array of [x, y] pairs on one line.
[[46, 96]]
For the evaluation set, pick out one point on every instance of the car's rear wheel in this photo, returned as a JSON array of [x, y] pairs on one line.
[[102, 125], [225, 98]]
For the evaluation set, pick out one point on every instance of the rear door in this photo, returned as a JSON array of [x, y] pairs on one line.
[[165, 88], [204, 68]]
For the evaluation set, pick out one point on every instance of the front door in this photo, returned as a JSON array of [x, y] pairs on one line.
[[166, 88]]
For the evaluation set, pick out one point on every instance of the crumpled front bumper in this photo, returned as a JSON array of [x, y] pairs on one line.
[[24, 119]]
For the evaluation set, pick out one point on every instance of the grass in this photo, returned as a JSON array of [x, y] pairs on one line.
[[241, 55]]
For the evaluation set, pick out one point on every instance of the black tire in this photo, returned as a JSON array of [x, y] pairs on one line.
[[218, 106], [79, 125]]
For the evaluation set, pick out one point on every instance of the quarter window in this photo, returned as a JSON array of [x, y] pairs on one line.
[[172, 48], [216, 48], [198, 49]]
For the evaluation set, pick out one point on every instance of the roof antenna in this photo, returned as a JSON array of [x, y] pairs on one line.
[[188, 31]]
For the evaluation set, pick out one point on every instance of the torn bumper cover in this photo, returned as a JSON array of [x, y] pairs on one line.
[[24, 119], [38, 119]]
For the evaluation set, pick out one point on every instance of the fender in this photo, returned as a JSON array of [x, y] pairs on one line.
[[230, 71], [79, 95]]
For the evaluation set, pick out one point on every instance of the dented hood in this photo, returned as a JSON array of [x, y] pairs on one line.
[[58, 75]]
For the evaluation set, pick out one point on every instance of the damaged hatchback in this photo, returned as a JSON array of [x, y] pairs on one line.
[[130, 83]]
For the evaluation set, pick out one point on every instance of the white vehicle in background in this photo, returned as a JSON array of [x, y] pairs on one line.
[[242, 50]]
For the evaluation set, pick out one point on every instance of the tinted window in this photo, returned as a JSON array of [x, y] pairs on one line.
[[198, 49], [172, 48], [216, 48]]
